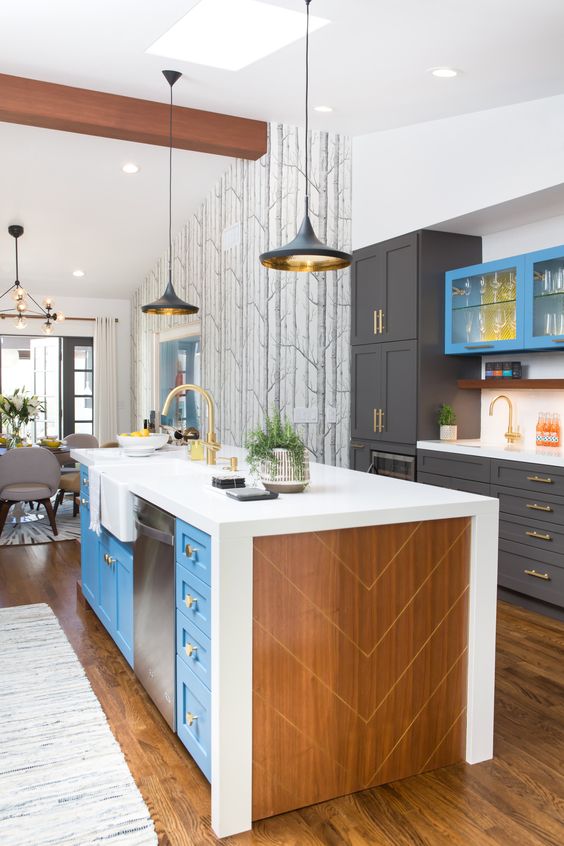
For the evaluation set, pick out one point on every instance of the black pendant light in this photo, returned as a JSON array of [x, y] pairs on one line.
[[306, 253], [170, 303]]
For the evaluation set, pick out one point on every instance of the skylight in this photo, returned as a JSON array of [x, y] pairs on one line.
[[231, 34]]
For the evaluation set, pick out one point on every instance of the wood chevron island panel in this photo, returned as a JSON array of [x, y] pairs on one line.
[[359, 659]]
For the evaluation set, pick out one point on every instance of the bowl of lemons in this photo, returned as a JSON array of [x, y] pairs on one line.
[[50, 443], [141, 443]]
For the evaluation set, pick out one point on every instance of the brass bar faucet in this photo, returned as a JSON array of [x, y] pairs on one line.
[[510, 436], [211, 444]]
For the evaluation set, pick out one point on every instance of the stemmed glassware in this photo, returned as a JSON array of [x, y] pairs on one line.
[[495, 285], [499, 321], [469, 321]]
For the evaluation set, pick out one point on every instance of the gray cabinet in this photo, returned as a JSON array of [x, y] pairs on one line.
[[384, 406], [400, 374], [531, 511]]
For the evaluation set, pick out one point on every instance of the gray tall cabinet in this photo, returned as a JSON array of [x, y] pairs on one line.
[[400, 374]]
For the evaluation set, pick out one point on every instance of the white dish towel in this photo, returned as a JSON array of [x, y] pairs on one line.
[[94, 490]]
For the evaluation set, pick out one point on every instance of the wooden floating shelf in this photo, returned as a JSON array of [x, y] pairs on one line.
[[512, 384]]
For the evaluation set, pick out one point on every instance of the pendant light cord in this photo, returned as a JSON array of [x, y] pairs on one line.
[[17, 270], [307, 2], [170, 190]]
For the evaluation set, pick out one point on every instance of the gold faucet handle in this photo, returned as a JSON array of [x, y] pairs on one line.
[[512, 437], [233, 462], [212, 445]]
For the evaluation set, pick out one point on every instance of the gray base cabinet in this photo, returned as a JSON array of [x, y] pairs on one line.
[[400, 375], [531, 524]]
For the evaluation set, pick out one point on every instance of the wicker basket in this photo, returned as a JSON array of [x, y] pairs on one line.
[[280, 475]]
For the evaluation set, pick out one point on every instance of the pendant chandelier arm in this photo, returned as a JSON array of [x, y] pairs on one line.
[[41, 309], [7, 291]]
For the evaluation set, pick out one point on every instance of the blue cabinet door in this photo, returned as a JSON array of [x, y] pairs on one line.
[[106, 586], [484, 307], [122, 555], [88, 556], [544, 299]]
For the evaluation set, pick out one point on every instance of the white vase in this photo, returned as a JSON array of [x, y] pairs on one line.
[[281, 476], [448, 433]]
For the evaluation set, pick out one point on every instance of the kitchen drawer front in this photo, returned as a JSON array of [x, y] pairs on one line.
[[193, 550], [193, 704], [538, 536], [83, 480], [482, 488], [193, 599], [194, 647], [537, 507], [516, 572], [539, 478], [469, 467]]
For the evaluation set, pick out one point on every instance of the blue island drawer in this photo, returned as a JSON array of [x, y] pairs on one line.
[[194, 648], [193, 599], [193, 550], [193, 716], [83, 480]]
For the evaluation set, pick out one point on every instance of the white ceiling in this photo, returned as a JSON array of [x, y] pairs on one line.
[[370, 64], [80, 211]]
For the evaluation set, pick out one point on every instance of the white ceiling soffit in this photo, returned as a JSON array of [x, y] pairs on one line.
[[370, 63], [540, 205], [80, 211]]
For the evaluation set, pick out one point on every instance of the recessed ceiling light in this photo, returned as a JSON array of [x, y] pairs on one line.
[[78, 273], [444, 73], [323, 108], [231, 34], [130, 167]]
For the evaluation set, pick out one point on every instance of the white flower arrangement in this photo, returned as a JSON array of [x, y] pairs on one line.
[[19, 409]]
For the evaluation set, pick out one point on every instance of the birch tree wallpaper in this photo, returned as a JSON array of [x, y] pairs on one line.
[[270, 339]]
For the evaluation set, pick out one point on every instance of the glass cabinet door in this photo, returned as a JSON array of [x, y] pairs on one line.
[[484, 307], [544, 303]]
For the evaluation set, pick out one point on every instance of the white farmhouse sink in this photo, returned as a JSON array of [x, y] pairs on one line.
[[115, 496]]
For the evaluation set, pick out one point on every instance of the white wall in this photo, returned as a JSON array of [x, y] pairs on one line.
[[91, 307], [524, 239], [416, 176]]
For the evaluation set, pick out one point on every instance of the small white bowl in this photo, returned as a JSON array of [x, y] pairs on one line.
[[152, 441]]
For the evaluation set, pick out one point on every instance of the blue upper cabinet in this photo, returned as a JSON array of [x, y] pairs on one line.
[[485, 307], [544, 297]]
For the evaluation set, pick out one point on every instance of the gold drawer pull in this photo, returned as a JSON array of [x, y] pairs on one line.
[[190, 718], [190, 649], [190, 600], [539, 536], [534, 573], [357, 446], [380, 321], [375, 321], [558, 340], [535, 507], [190, 550], [375, 423], [539, 479]]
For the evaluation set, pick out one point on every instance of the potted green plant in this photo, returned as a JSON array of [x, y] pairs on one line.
[[278, 456], [447, 422]]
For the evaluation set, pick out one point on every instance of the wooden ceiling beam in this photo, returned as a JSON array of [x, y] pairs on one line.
[[51, 106]]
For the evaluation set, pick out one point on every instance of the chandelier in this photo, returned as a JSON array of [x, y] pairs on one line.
[[20, 311]]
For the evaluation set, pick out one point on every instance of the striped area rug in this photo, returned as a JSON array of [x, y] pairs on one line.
[[63, 778]]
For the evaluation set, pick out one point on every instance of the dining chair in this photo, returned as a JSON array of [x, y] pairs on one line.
[[28, 475], [76, 440], [70, 481]]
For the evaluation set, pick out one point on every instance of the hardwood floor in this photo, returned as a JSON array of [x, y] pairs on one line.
[[515, 800]]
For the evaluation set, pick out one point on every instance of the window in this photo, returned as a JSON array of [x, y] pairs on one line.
[[60, 372]]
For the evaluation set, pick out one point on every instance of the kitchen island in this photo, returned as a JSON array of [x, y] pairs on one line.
[[352, 630]]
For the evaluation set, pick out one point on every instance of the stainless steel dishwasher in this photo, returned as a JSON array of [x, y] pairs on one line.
[[154, 606]]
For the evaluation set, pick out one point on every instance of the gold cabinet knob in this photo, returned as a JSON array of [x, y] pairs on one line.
[[191, 718], [111, 560], [85, 482], [106, 557], [190, 600], [83, 501], [190, 649], [190, 550]]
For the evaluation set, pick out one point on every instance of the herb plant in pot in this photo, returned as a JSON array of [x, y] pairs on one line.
[[447, 422], [277, 455]]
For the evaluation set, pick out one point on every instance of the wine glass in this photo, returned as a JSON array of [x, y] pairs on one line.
[[469, 321], [482, 325], [499, 321], [495, 284], [482, 288], [467, 290]]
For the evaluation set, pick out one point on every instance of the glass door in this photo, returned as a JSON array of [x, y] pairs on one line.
[[33, 365], [78, 386], [484, 307], [544, 303]]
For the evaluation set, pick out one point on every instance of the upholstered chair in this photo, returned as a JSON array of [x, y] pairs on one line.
[[28, 475], [76, 440]]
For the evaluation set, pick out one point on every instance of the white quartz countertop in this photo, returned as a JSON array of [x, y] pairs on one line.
[[336, 498], [551, 457]]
